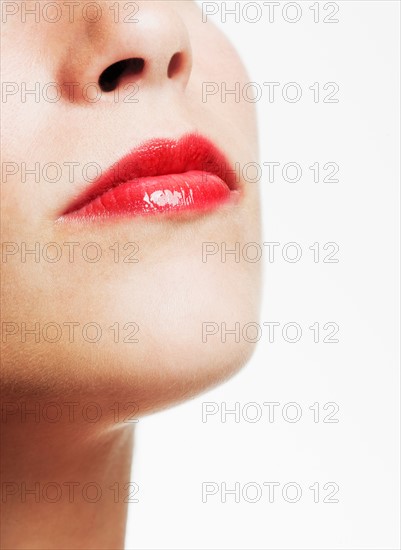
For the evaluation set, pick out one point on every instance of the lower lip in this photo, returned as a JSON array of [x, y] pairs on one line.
[[173, 193]]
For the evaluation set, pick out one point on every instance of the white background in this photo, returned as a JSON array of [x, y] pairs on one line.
[[175, 451]]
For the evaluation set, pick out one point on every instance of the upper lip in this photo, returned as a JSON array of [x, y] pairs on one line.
[[160, 157]]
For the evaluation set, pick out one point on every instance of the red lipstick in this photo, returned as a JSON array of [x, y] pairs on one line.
[[159, 177]]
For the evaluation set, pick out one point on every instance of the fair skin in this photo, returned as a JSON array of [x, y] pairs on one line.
[[168, 294]]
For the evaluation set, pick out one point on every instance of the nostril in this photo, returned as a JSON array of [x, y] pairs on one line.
[[175, 64], [110, 77]]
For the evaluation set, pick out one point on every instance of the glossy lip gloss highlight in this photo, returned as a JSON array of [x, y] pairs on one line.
[[162, 176]]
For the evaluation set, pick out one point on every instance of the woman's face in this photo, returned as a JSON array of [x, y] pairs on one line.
[[123, 304]]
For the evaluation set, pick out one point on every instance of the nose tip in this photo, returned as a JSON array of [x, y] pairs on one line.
[[155, 50], [162, 39]]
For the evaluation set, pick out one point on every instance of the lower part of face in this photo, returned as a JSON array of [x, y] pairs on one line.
[[137, 309]]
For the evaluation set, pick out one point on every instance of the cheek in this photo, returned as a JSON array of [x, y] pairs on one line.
[[218, 85]]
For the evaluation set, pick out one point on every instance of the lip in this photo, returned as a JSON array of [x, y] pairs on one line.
[[162, 176]]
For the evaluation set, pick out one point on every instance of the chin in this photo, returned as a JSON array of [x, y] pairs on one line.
[[162, 321]]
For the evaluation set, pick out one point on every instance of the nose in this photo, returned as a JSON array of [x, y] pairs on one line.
[[149, 46]]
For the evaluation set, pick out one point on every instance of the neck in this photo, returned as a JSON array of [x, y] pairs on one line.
[[64, 488]]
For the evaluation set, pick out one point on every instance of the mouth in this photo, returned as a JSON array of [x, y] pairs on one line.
[[162, 176]]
